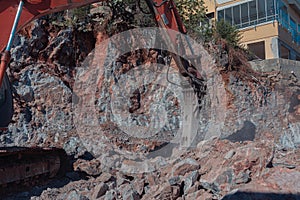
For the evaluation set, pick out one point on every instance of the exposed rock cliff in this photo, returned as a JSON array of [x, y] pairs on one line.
[[246, 144]]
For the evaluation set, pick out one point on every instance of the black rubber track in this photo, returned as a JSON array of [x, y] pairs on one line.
[[6, 104]]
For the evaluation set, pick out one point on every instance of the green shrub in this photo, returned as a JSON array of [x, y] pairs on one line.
[[227, 32], [193, 13]]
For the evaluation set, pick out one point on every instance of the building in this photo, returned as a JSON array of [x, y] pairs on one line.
[[270, 28]]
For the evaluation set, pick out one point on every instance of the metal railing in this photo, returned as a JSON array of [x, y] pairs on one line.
[[293, 30], [257, 21]]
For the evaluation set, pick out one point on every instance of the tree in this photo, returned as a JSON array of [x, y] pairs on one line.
[[193, 13], [228, 32]]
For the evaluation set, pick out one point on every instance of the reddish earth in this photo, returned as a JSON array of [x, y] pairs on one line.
[[246, 147]]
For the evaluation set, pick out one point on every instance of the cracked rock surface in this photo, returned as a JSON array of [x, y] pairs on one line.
[[248, 131]]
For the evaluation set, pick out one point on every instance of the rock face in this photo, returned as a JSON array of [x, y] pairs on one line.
[[246, 144], [42, 70], [255, 171]]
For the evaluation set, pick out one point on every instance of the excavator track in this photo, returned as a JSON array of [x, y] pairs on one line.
[[21, 167], [6, 103]]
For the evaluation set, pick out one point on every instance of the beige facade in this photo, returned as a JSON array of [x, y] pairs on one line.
[[270, 28]]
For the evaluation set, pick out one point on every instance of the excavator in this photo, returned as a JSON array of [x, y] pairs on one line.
[[20, 165]]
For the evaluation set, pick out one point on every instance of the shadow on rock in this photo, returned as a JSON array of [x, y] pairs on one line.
[[260, 196], [61, 180]]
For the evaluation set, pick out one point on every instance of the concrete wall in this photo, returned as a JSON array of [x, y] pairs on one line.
[[278, 64], [268, 33], [221, 3], [211, 5], [260, 32]]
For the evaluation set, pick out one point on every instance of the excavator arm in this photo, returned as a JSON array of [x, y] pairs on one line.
[[165, 12], [32, 9]]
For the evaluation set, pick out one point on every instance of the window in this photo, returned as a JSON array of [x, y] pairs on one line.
[[228, 15], [252, 12], [208, 21], [236, 15], [284, 52], [258, 48], [210, 15], [293, 29], [244, 14], [261, 8], [298, 35], [270, 9], [287, 22], [283, 16], [220, 14]]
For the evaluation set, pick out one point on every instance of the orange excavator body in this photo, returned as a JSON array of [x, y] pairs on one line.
[[32, 9]]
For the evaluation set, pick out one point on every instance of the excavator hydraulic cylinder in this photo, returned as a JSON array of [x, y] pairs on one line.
[[15, 25], [6, 55], [5, 58]]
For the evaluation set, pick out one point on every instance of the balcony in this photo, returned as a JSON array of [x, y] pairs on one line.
[[250, 13], [295, 34], [254, 13]]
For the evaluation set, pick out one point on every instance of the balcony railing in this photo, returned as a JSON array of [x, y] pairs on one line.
[[293, 30], [257, 12], [256, 21]]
